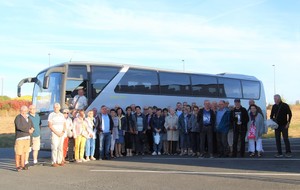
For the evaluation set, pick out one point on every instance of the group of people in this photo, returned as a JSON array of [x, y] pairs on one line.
[[216, 129]]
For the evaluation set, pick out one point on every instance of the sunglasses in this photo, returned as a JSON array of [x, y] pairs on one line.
[[66, 113]]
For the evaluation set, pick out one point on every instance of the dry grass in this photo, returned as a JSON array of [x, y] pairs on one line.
[[7, 121]]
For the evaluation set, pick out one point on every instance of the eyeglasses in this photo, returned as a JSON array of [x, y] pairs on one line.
[[66, 113]]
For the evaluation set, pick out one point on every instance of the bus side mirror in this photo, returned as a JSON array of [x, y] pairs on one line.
[[19, 91], [46, 82]]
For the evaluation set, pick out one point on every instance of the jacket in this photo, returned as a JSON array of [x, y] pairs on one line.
[[193, 124], [144, 120], [200, 118], [99, 123], [22, 126], [172, 122], [182, 126], [244, 118], [157, 123], [259, 124], [225, 123], [280, 112]]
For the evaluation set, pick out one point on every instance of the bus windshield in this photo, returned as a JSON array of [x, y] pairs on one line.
[[44, 99]]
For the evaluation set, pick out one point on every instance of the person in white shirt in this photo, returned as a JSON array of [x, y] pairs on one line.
[[80, 101], [57, 124]]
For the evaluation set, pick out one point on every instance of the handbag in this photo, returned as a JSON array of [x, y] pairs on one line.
[[251, 133], [156, 138]]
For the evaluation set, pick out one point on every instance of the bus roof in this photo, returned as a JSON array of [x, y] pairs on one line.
[[226, 75]]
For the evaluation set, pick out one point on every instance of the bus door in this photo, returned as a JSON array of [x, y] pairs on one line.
[[77, 78]]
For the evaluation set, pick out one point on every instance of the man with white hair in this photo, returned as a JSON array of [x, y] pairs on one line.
[[80, 101], [282, 115], [57, 124], [24, 128]]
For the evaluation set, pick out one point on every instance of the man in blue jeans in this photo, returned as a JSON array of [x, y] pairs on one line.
[[104, 128]]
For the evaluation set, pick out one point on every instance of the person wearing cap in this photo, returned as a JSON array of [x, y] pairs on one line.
[[239, 120]]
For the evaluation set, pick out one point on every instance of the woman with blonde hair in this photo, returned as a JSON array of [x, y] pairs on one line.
[[80, 135]]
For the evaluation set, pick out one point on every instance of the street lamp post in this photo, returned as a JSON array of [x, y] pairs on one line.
[[274, 70]]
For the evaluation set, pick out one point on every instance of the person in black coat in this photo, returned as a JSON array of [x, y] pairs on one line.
[[239, 120], [206, 119]]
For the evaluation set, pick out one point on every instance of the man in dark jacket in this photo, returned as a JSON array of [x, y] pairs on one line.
[[239, 120], [24, 128], [105, 125], [140, 136], [157, 124], [206, 120], [282, 115], [184, 131]]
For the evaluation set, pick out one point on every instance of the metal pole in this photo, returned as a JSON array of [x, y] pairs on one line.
[[274, 78], [49, 58]]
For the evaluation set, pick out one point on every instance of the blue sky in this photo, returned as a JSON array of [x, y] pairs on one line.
[[212, 36]]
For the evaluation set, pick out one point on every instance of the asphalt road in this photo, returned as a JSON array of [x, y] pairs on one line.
[[159, 172]]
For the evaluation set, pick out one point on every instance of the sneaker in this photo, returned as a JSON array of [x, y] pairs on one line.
[[288, 155], [259, 155], [92, 158], [84, 160], [201, 156], [159, 153], [154, 154], [278, 156], [252, 154]]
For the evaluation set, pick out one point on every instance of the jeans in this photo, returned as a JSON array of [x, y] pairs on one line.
[[222, 143], [195, 138], [104, 145], [157, 147], [285, 135], [90, 147], [251, 145], [239, 132], [184, 140]]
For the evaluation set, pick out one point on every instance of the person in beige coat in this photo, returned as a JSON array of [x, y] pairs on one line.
[[171, 125]]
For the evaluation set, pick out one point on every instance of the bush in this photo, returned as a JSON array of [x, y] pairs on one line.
[[13, 104]]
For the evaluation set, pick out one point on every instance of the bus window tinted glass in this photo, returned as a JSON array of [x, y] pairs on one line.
[[230, 88], [251, 89], [205, 86], [138, 81], [101, 76], [174, 84], [77, 71]]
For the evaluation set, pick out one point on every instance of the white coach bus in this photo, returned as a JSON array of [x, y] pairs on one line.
[[115, 84]]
